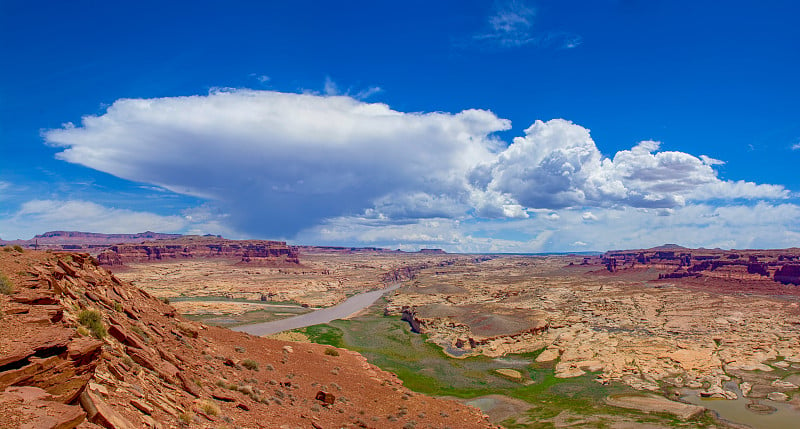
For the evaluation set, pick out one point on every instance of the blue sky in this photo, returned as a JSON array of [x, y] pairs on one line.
[[408, 125]]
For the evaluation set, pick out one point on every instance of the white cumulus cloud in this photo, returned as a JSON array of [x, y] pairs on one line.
[[557, 165], [278, 163]]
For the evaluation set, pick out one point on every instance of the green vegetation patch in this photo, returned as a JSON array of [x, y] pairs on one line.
[[389, 343], [250, 364], [6, 287], [93, 320]]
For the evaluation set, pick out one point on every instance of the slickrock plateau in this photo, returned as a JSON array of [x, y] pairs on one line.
[[721, 332], [81, 348], [326, 277]]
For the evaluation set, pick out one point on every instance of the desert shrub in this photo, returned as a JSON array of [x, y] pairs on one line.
[[209, 408], [139, 331], [6, 287], [188, 330], [7, 249], [250, 364], [117, 306], [93, 320], [332, 352], [186, 418], [18, 248], [165, 300]]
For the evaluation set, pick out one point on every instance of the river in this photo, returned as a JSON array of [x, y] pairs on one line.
[[782, 415], [352, 305]]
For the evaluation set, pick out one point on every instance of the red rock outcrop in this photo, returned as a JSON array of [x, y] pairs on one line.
[[85, 241], [744, 265], [789, 273], [251, 252], [155, 369]]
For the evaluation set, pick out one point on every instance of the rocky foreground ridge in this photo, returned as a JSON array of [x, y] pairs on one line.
[[80, 348], [251, 252]]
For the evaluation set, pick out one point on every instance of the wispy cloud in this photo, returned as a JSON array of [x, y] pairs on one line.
[[796, 146], [511, 25], [367, 93], [260, 77], [332, 88], [559, 40]]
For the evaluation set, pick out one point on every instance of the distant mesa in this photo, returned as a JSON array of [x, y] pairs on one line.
[[247, 252], [114, 250], [670, 246], [342, 249], [78, 240], [674, 262]]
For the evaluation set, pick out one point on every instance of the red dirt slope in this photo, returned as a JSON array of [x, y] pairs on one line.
[[154, 369]]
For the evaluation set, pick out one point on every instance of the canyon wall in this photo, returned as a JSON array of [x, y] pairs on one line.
[[250, 252], [749, 265]]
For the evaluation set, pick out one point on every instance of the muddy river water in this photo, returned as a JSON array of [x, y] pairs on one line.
[[352, 305], [782, 416]]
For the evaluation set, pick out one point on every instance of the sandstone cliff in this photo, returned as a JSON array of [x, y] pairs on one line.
[[86, 240], [679, 262], [80, 348], [251, 252], [789, 273]]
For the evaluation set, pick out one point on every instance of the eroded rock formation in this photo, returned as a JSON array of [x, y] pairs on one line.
[[86, 241], [251, 252], [789, 273], [730, 265]]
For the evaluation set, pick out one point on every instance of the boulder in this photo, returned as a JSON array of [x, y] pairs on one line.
[[101, 413], [125, 336], [189, 385], [778, 397], [33, 406], [325, 397]]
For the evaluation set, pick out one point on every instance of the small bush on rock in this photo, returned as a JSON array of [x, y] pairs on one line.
[[250, 364], [6, 287], [93, 320], [209, 408]]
